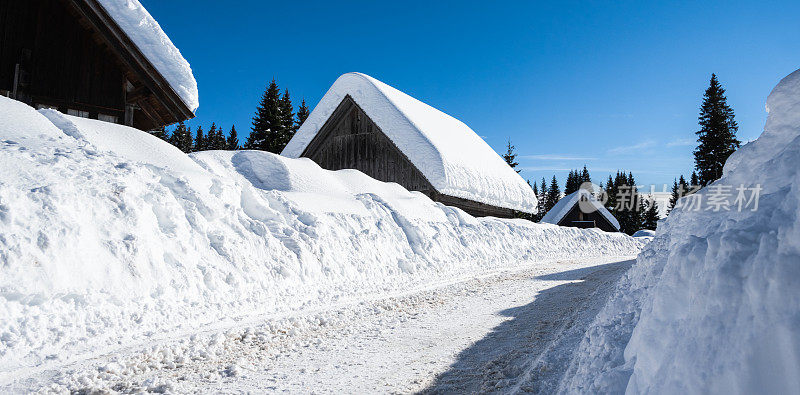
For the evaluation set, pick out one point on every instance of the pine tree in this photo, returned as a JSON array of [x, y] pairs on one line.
[[611, 194], [220, 143], [542, 197], [717, 135], [676, 194], [585, 177], [233, 140], [679, 189], [287, 117], [553, 193], [570, 186], [182, 138], [267, 122], [510, 156], [199, 140], [651, 216], [535, 189], [695, 181], [302, 115], [211, 137]]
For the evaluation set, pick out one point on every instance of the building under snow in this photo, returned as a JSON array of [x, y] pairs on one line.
[[364, 124], [101, 59], [581, 210]]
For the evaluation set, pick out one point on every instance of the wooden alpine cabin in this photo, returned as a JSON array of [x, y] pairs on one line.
[[86, 58], [581, 210], [364, 124]]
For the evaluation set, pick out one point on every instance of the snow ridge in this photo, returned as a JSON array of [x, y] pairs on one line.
[[711, 306], [110, 237]]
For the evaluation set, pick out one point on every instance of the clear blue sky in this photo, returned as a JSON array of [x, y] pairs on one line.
[[610, 85]]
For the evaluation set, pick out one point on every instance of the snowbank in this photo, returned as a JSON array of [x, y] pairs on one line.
[[146, 33], [712, 304], [109, 237], [455, 160]]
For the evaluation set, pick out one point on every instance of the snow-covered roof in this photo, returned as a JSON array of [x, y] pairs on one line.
[[563, 207], [454, 159], [145, 32]]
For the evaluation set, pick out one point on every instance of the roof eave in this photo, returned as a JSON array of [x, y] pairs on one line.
[[126, 49]]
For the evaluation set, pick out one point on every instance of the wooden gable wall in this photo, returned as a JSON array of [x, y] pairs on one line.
[[60, 64], [349, 139], [71, 55], [578, 219]]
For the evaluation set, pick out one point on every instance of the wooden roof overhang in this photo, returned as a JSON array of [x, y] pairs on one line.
[[152, 93]]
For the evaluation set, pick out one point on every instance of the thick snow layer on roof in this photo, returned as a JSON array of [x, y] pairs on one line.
[[712, 304], [145, 32], [563, 207], [449, 154], [110, 237]]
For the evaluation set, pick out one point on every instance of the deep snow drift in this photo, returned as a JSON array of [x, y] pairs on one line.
[[110, 237], [713, 303]]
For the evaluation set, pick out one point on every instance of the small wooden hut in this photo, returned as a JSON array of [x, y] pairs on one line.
[[364, 124], [581, 210]]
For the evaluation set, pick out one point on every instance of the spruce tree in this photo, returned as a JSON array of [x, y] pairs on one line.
[[611, 194], [679, 189], [213, 138], [510, 156], [651, 216], [553, 193], [676, 194], [585, 177], [569, 185], [695, 181], [233, 140], [199, 140], [302, 115], [717, 135], [542, 197], [287, 120], [267, 122], [182, 138]]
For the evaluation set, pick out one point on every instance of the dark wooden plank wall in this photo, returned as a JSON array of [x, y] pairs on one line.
[[575, 214], [66, 65], [351, 140]]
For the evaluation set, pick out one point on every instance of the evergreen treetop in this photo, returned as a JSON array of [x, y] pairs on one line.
[[232, 143], [199, 140], [302, 114], [267, 122], [717, 135], [651, 218], [553, 194], [510, 156]]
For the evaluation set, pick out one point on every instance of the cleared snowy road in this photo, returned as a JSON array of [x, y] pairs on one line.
[[499, 332]]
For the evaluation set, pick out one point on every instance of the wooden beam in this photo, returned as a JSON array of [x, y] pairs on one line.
[[119, 42]]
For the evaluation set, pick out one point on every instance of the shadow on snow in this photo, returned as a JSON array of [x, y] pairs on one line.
[[531, 351]]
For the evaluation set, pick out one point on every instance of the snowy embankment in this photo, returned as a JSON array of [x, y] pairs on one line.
[[110, 237], [713, 303]]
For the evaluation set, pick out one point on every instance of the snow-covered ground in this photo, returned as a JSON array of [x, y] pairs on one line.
[[712, 304], [465, 335], [111, 239]]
